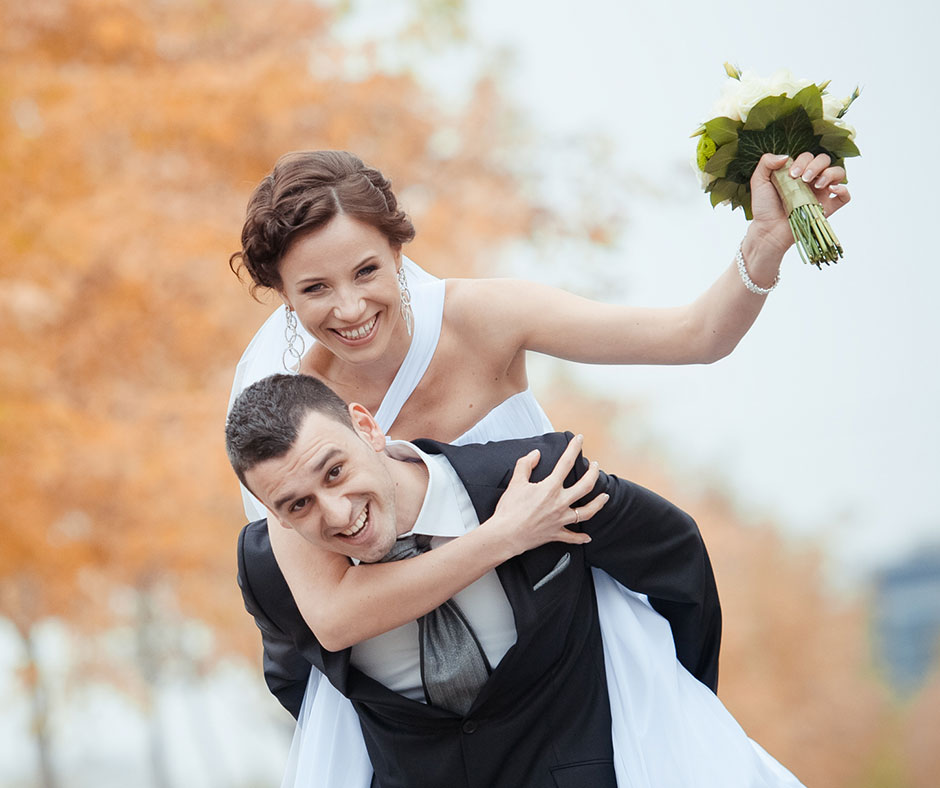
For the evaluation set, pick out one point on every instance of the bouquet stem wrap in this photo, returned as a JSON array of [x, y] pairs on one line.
[[814, 236]]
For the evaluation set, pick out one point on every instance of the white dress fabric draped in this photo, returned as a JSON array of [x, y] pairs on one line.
[[668, 729]]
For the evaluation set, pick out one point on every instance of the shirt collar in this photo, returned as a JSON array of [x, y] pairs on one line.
[[441, 513]]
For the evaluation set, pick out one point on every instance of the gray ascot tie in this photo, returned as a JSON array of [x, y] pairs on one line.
[[453, 665]]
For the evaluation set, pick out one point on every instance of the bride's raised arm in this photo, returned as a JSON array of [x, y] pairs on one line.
[[526, 316]]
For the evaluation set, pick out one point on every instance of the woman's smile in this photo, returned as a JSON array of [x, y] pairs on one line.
[[360, 334]]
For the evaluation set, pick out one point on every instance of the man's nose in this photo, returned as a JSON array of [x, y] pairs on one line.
[[336, 511]]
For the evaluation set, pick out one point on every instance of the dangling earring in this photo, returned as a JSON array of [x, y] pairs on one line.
[[295, 342], [406, 313]]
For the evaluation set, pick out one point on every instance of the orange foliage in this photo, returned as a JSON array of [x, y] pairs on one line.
[[132, 135], [920, 736]]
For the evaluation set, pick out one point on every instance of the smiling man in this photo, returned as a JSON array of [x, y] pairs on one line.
[[529, 706]]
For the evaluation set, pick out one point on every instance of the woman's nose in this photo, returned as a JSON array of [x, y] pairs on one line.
[[349, 306]]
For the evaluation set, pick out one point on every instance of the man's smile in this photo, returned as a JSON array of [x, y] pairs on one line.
[[356, 528]]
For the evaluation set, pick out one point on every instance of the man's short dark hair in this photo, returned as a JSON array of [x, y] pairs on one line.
[[266, 417]]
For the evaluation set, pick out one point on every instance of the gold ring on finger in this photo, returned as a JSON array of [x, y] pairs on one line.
[[577, 516]]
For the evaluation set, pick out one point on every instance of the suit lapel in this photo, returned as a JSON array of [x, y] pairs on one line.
[[485, 471]]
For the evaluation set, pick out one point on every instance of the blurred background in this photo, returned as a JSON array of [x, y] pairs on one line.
[[546, 140]]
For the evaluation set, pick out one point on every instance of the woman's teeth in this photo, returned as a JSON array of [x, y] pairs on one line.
[[357, 333], [357, 526]]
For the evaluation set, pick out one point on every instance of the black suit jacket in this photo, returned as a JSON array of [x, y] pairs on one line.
[[543, 718]]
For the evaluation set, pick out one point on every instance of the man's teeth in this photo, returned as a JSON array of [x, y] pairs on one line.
[[357, 526], [357, 333]]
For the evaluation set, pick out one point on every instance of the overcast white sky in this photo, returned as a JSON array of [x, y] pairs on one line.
[[825, 417]]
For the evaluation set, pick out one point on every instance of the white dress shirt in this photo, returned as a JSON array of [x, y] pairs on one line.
[[392, 658]]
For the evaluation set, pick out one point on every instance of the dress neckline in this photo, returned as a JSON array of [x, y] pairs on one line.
[[428, 309]]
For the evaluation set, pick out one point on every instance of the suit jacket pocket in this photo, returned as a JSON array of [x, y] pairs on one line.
[[590, 774], [560, 567]]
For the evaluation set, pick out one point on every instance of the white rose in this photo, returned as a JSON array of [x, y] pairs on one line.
[[832, 106], [738, 96], [784, 82], [727, 105]]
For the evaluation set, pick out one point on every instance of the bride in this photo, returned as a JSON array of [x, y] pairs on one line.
[[446, 359]]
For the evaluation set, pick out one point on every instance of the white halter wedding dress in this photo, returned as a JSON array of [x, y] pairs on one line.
[[668, 729]]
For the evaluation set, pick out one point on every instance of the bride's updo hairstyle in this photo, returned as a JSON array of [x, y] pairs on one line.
[[304, 191]]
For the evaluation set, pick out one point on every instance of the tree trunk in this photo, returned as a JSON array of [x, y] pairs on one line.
[[39, 704], [149, 655]]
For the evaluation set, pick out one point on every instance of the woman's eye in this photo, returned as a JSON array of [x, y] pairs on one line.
[[316, 287], [366, 270]]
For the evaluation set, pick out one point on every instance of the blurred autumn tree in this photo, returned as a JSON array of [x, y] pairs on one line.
[[131, 133], [130, 136]]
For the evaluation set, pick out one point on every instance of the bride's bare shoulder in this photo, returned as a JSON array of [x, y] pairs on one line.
[[482, 303]]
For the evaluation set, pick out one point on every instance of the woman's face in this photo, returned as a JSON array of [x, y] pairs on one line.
[[342, 281]]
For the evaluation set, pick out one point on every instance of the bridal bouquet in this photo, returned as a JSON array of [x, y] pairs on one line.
[[780, 115]]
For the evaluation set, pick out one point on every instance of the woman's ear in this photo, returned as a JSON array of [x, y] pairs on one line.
[[366, 427]]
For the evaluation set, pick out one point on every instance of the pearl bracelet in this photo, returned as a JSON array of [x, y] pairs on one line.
[[748, 283]]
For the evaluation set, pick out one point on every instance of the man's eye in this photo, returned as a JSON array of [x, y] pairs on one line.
[[299, 504], [334, 472]]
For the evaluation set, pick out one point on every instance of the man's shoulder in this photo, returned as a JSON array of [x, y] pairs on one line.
[[482, 465], [503, 450], [253, 539]]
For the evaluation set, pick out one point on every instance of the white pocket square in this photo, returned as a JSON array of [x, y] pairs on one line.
[[560, 567]]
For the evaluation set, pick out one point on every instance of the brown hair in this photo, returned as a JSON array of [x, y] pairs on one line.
[[266, 417], [303, 192]]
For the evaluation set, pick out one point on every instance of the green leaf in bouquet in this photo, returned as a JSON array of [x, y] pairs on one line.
[[835, 139], [822, 127], [791, 134], [839, 147], [718, 164], [720, 190], [742, 199], [768, 110], [810, 98], [722, 130]]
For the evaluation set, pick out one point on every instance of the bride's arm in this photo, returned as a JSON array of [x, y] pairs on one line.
[[508, 315], [344, 604]]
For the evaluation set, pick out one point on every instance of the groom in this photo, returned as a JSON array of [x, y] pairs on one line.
[[539, 714]]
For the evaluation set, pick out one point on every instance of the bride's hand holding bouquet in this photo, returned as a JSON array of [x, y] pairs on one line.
[[770, 224]]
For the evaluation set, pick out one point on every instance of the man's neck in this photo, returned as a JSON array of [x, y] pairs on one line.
[[411, 486]]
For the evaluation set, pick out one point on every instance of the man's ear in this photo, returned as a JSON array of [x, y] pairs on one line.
[[365, 426], [273, 518]]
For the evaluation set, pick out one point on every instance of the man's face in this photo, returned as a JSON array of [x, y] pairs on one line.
[[333, 487]]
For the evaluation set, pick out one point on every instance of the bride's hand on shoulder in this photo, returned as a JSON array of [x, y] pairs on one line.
[[530, 514], [770, 219]]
